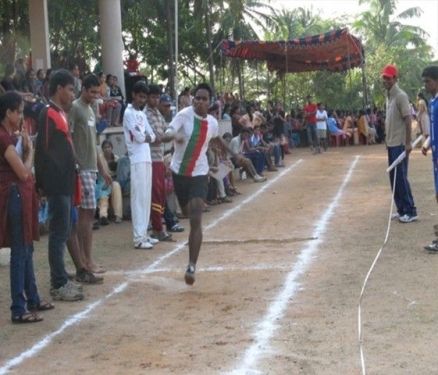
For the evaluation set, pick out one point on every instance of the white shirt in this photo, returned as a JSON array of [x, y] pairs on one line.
[[321, 119], [190, 156], [135, 129]]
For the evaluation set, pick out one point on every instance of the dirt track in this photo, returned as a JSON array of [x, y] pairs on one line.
[[155, 324]]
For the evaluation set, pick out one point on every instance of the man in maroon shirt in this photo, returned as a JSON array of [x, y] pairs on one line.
[[310, 122]]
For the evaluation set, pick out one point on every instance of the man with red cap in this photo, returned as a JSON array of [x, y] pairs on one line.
[[398, 139]]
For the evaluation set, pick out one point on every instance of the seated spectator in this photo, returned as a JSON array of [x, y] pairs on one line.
[[116, 94], [348, 125], [274, 143], [235, 115], [241, 161], [363, 128], [258, 143], [333, 127], [109, 108], [296, 130], [216, 153], [257, 157], [109, 196], [231, 188], [123, 173]]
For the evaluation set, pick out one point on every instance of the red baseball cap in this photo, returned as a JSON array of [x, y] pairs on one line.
[[389, 71]]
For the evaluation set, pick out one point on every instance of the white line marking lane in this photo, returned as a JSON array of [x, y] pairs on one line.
[[266, 328], [76, 318]]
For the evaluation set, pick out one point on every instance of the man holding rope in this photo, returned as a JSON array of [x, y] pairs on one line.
[[398, 139]]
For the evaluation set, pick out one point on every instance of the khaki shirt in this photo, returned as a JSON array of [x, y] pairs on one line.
[[82, 123], [397, 107]]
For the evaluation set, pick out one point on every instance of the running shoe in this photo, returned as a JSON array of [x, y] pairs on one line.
[[146, 245], [408, 218], [189, 276]]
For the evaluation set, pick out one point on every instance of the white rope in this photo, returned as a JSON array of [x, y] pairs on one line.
[[359, 310], [396, 162]]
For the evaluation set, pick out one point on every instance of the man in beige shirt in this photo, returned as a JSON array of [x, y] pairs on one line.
[[398, 139]]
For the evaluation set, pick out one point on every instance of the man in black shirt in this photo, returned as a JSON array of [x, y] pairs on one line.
[[55, 172]]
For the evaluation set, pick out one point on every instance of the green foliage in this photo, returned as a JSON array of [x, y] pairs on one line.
[[14, 30], [149, 32], [73, 32]]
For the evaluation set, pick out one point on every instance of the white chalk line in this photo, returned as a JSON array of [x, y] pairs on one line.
[[266, 328], [76, 318], [212, 269]]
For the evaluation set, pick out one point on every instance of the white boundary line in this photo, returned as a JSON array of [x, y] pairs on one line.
[[76, 318], [266, 328]]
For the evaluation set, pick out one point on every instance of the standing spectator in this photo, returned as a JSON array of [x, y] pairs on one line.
[[158, 125], [19, 225], [138, 135], [83, 128], [423, 115], [165, 107], [31, 82], [78, 83], [321, 126], [39, 81], [310, 122], [109, 163], [192, 128], [398, 139], [430, 79], [184, 99], [55, 173]]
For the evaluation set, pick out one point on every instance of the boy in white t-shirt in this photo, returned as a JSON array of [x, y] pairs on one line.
[[321, 125], [138, 135]]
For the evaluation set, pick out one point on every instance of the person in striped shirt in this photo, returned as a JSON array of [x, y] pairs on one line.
[[191, 130]]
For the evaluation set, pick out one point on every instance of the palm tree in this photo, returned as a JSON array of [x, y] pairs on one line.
[[241, 20], [379, 25]]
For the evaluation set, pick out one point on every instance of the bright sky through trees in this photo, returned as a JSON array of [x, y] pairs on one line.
[[336, 8]]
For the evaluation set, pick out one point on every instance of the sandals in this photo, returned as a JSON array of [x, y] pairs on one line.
[[27, 317], [98, 269], [43, 306], [225, 200]]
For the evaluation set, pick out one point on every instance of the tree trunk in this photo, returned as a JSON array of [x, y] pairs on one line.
[[210, 49], [240, 78], [170, 48]]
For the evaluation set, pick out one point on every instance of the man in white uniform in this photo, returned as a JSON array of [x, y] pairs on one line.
[[138, 135]]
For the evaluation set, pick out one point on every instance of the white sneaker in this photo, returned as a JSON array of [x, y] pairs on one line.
[[144, 245], [189, 276], [407, 218], [395, 216], [152, 241], [258, 178]]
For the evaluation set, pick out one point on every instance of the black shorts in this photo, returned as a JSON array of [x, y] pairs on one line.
[[187, 188]]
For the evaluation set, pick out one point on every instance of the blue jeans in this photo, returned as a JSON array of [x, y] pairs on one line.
[[312, 136], [23, 284], [258, 159], [402, 193], [59, 231]]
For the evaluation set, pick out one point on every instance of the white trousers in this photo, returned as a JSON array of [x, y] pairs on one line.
[[141, 190]]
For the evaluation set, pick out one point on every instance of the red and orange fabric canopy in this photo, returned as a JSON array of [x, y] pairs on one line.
[[335, 51]]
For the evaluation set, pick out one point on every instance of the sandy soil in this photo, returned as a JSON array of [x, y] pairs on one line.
[[153, 323]]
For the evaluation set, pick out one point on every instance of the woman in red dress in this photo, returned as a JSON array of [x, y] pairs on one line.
[[18, 211]]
